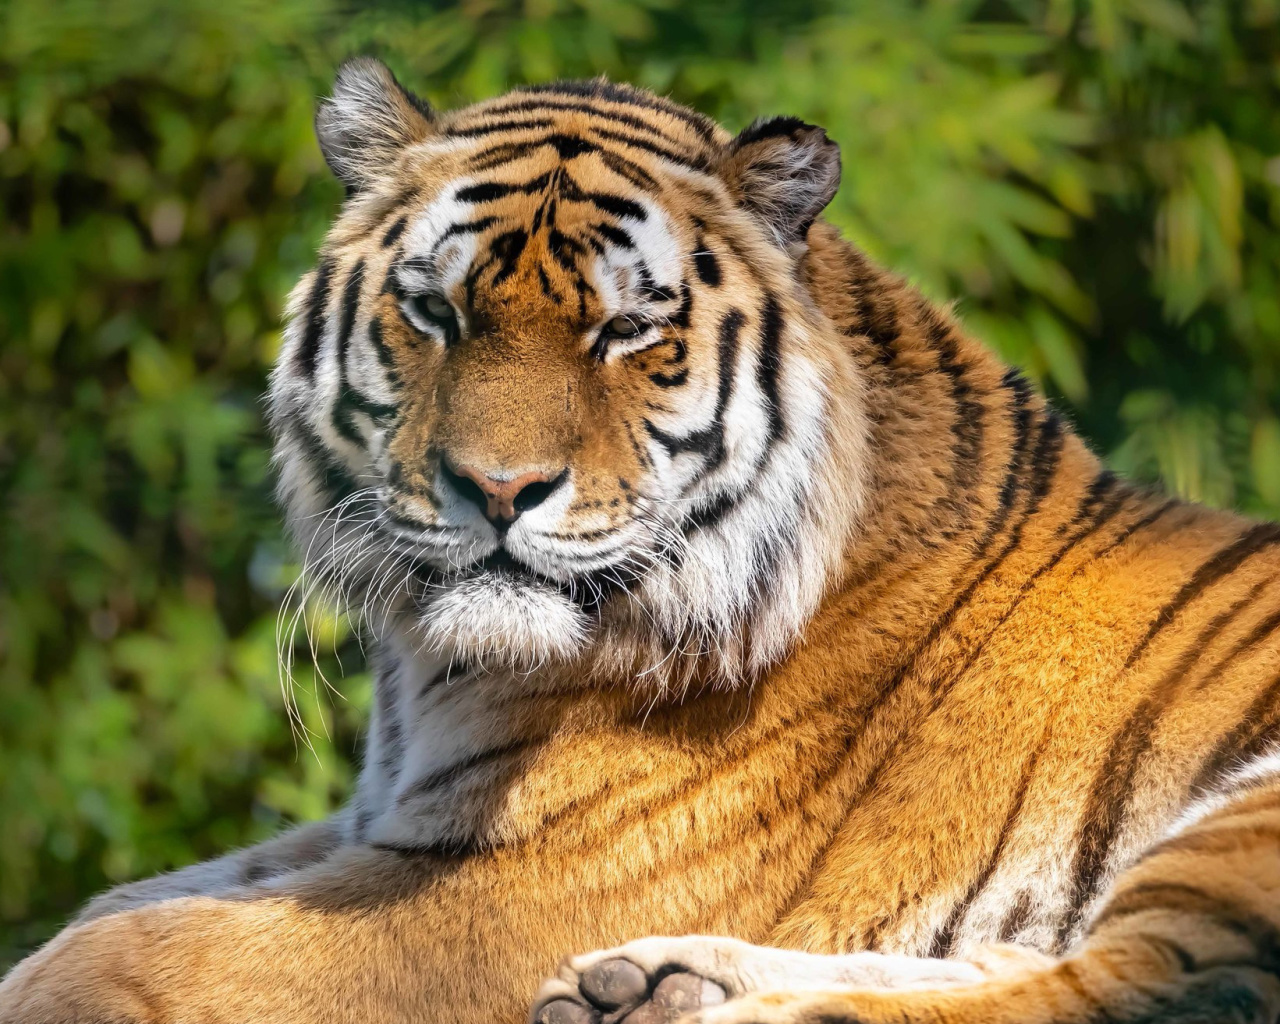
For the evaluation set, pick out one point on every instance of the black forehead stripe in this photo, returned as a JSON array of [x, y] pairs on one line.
[[615, 235], [507, 247], [607, 202], [564, 249], [545, 282], [313, 329], [610, 91], [616, 205], [630, 121], [472, 227], [628, 169], [695, 162], [492, 128], [488, 191], [566, 147], [507, 152], [504, 152], [580, 284]]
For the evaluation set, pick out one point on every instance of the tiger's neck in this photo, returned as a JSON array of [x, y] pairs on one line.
[[963, 449]]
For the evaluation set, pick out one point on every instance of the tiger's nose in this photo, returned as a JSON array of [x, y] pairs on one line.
[[501, 501]]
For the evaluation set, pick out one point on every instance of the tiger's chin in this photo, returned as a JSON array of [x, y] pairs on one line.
[[502, 620]]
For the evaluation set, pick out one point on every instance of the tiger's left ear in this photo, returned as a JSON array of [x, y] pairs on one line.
[[785, 171], [367, 121]]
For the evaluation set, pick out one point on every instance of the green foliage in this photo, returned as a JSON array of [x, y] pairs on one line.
[[1095, 182]]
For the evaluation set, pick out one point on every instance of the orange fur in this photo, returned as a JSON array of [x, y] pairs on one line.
[[1021, 673]]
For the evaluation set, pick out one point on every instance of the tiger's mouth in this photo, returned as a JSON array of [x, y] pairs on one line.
[[500, 569]]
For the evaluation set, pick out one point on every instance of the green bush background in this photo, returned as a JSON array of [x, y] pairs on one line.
[[1096, 183]]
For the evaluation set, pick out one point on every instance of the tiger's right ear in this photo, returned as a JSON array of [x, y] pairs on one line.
[[367, 121]]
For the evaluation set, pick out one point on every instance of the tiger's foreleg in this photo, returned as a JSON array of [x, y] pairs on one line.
[[363, 935], [294, 849], [1190, 933]]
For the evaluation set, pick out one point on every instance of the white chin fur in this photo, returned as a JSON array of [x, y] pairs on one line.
[[499, 620]]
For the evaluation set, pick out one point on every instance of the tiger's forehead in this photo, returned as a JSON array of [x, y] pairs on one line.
[[565, 220], [629, 126]]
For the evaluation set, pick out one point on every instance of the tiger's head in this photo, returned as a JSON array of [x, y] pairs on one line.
[[556, 391]]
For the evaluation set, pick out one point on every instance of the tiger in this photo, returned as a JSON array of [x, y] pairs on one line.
[[733, 614]]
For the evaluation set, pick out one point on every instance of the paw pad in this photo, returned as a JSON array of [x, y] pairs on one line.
[[616, 991]]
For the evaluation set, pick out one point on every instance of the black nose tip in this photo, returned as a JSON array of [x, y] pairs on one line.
[[501, 501]]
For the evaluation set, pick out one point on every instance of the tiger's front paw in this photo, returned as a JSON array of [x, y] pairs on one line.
[[657, 980]]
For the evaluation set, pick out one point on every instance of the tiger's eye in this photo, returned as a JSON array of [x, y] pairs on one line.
[[623, 327], [438, 307]]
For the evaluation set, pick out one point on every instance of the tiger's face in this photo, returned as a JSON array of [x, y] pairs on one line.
[[555, 384]]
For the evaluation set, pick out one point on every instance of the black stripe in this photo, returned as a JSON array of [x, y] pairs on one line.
[[1048, 448], [968, 425], [1148, 520], [564, 249], [499, 154], [335, 479], [706, 265], [615, 205], [710, 440], [493, 127], [1091, 516], [506, 249], [532, 106], [769, 363], [350, 304], [394, 232], [340, 416], [545, 282], [1249, 642], [1180, 897], [391, 732], [709, 515], [944, 941], [628, 169], [674, 380], [615, 235], [1112, 789], [469, 228], [697, 163], [1255, 732], [682, 316], [489, 191], [316, 317], [612, 92], [385, 357], [348, 397], [1017, 918], [451, 774], [1225, 562], [877, 314], [1021, 414]]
